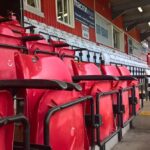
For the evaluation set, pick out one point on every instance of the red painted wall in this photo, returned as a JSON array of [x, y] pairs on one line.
[[101, 6], [118, 22], [126, 43], [135, 33], [48, 8]]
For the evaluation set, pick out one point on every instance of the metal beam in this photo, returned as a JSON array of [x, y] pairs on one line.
[[127, 5], [22, 12], [132, 21], [137, 17], [145, 35], [117, 14], [149, 44], [130, 25]]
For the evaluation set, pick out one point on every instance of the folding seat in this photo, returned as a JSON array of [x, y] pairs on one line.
[[55, 40], [125, 89], [36, 95], [7, 36], [68, 121], [8, 48], [7, 72], [7, 109], [125, 72], [15, 27], [147, 82], [99, 86], [8, 118], [95, 84], [6, 100], [67, 55], [39, 46], [13, 24], [58, 43], [9, 40], [48, 47]]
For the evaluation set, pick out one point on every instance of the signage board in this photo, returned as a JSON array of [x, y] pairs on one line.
[[84, 14]]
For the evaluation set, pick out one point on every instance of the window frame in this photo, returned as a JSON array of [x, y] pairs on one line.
[[71, 12], [34, 10], [121, 38], [109, 42], [117, 38], [130, 45]]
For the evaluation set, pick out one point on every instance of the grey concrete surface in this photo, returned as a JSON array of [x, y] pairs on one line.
[[137, 138], [112, 142]]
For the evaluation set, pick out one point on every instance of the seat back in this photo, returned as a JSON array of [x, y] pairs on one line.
[[38, 102], [7, 65], [15, 26], [41, 45], [83, 68], [7, 71], [67, 56], [113, 70], [8, 37], [93, 88], [39, 67], [124, 71], [6, 131]]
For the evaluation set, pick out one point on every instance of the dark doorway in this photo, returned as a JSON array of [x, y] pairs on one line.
[[14, 6]]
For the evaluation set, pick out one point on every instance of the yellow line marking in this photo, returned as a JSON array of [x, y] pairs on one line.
[[144, 113]]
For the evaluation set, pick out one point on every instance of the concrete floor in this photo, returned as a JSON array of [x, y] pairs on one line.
[[137, 138]]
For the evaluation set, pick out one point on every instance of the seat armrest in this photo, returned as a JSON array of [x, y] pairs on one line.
[[5, 20], [12, 47], [147, 76], [81, 49], [74, 86], [93, 77], [30, 27], [59, 45], [33, 83], [38, 51], [20, 146], [32, 38], [127, 78]]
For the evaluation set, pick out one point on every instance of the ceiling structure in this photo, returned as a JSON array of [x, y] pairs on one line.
[[132, 16]]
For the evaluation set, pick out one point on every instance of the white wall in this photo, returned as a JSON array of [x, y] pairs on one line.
[[109, 54]]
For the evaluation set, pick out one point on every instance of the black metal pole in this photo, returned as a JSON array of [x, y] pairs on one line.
[[21, 13]]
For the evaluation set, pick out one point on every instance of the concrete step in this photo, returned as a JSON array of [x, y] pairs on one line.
[[137, 138]]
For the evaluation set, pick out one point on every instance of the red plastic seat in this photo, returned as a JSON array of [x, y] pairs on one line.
[[27, 42], [125, 72], [67, 127], [7, 72], [13, 24], [8, 37], [41, 45], [113, 70], [67, 56], [7, 131], [109, 124]]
